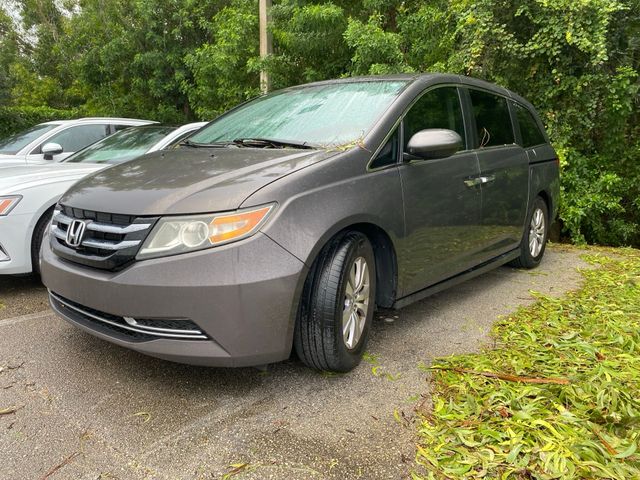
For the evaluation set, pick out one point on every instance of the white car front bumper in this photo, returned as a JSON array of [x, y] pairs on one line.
[[15, 243]]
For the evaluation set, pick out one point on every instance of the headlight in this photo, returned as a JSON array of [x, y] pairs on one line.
[[173, 235], [7, 203]]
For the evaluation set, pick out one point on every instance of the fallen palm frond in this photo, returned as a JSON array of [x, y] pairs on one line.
[[507, 377], [559, 396]]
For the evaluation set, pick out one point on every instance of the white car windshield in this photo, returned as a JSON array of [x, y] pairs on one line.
[[15, 143], [122, 146], [318, 115]]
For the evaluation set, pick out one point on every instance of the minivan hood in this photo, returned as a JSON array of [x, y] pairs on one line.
[[14, 179], [187, 180]]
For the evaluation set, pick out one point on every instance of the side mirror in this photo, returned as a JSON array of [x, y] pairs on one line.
[[51, 149], [434, 143]]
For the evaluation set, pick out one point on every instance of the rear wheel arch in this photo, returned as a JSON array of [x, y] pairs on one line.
[[547, 199], [531, 250]]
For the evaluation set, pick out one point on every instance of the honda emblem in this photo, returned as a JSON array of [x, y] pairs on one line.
[[75, 232]]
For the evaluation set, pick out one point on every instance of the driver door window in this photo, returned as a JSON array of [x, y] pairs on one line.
[[76, 138], [439, 108]]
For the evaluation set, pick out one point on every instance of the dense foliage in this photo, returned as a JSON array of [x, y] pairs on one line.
[[15, 119], [558, 397], [177, 60]]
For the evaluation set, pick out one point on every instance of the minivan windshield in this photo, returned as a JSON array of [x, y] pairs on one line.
[[15, 143], [122, 146], [317, 115]]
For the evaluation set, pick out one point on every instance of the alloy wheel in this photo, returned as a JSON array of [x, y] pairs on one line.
[[536, 232], [356, 302]]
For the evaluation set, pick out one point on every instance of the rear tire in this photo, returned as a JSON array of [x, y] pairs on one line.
[[535, 236], [36, 240], [336, 309]]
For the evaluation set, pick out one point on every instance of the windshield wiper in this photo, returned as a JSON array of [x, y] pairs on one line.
[[190, 143], [270, 143]]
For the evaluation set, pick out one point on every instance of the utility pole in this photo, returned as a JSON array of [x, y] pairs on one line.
[[266, 43]]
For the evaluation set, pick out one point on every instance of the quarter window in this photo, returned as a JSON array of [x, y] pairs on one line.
[[493, 122], [529, 129], [388, 155], [439, 108], [76, 138]]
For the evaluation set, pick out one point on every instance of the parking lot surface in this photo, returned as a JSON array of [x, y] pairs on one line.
[[86, 409]]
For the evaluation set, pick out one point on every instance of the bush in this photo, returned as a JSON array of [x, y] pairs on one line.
[[15, 119]]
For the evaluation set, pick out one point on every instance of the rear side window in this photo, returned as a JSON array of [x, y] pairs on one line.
[[493, 122], [529, 129], [76, 138], [439, 108]]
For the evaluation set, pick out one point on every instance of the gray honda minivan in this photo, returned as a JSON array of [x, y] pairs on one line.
[[286, 221]]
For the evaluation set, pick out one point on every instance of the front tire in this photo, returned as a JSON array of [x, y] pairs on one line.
[[535, 236], [337, 305]]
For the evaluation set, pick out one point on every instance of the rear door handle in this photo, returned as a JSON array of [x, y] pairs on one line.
[[487, 179], [474, 182]]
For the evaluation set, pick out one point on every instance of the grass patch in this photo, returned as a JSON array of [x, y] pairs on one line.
[[559, 397]]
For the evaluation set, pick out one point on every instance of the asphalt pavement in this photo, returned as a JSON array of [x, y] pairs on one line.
[[86, 409]]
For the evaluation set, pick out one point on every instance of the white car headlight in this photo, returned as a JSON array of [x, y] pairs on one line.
[[7, 203], [173, 235]]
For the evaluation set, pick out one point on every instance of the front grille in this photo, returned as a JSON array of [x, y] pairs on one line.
[[127, 328], [110, 241]]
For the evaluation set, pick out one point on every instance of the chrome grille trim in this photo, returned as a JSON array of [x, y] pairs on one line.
[[101, 244], [102, 227], [177, 334], [60, 217], [57, 232], [151, 330], [109, 241], [106, 245]]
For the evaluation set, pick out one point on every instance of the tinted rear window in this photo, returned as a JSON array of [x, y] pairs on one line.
[[493, 122]]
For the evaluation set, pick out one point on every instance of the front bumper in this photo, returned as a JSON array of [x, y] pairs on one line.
[[242, 296], [15, 243]]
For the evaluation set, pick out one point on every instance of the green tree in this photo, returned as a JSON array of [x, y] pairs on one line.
[[175, 60], [222, 76]]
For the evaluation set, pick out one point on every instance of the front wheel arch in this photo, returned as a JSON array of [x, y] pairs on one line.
[[386, 259], [37, 237]]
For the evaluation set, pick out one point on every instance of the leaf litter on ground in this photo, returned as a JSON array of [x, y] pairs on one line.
[[491, 420]]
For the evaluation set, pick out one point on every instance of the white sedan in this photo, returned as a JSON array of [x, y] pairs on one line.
[[55, 141], [28, 193]]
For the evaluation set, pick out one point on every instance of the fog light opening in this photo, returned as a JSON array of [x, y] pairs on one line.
[[4, 256]]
